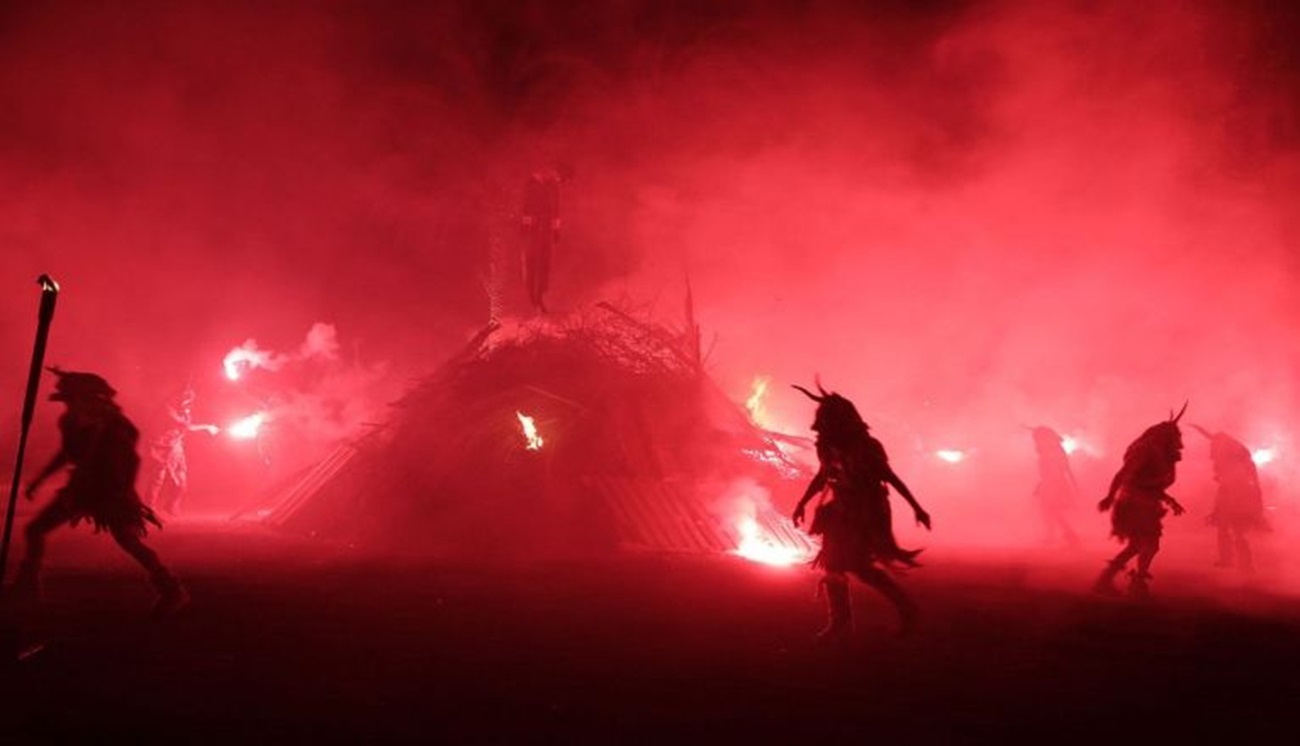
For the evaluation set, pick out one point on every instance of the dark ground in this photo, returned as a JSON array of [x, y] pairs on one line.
[[291, 642]]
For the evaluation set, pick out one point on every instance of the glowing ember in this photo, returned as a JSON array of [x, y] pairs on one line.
[[244, 358], [951, 456], [248, 427], [1069, 445], [533, 439], [755, 405], [1263, 456], [757, 547]]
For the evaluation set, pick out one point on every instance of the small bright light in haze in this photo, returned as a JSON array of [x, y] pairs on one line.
[[1262, 456], [1069, 445], [247, 427], [951, 456]]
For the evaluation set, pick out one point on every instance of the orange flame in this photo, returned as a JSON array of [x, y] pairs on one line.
[[531, 436], [248, 427], [755, 402]]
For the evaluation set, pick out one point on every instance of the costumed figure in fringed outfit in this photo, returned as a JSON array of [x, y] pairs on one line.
[[171, 469], [99, 444], [1057, 490], [1238, 501], [1137, 499], [855, 523]]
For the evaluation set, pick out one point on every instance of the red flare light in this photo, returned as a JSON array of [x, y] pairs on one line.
[[756, 546], [248, 427]]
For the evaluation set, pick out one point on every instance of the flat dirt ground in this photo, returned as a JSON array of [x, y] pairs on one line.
[[290, 641]]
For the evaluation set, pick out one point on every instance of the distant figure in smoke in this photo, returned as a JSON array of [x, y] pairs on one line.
[[540, 222], [855, 523], [1138, 498], [99, 443], [1238, 502], [171, 470], [1057, 490]]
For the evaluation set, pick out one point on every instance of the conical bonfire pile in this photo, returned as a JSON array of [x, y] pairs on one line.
[[599, 431]]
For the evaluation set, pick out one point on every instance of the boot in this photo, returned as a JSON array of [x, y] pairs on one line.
[[839, 611], [172, 596], [1137, 584], [902, 603], [1105, 584], [1247, 561]]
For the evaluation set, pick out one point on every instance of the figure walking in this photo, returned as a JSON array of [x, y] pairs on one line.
[[99, 444], [855, 524], [1056, 491], [1137, 499], [1238, 501]]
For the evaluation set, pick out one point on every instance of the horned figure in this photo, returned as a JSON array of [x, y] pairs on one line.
[[1057, 490], [855, 524], [99, 444], [1137, 499], [1238, 500]]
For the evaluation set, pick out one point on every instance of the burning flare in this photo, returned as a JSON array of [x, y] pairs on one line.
[[1263, 456], [531, 436], [248, 427], [756, 546]]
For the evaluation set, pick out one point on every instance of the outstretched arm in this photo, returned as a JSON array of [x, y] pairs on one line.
[[922, 517], [815, 488], [55, 464]]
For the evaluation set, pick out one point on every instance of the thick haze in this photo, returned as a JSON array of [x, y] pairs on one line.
[[966, 217]]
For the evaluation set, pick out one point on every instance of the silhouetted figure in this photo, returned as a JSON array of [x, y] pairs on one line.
[[170, 476], [1138, 498], [540, 222], [855, 524], [1057, 490], [99, 444], [1238, 501]]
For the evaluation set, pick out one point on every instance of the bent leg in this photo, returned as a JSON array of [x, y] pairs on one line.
[[172, 596], [894, 593]]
